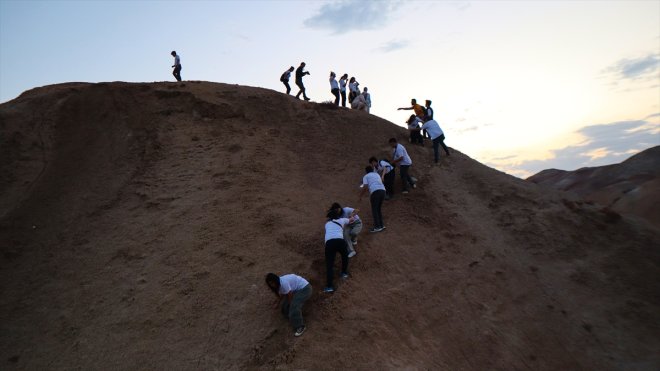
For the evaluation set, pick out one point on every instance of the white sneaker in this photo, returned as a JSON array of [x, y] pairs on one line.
[[352, 254]]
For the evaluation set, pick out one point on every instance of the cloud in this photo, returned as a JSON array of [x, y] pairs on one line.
[[604, 144], [352, 15], [643, 68], [393, 46]]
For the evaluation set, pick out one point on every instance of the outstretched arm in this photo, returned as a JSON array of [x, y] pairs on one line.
[[405, 108]]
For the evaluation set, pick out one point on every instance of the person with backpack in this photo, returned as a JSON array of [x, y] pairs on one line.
[[342, 89], [334, 87], [299, 82], [387, 175], [413, 127], [352, 229], [292, 292], [400, 157], [373, 183], [419, 110], [335, 243], [177, 66], [285, 79]]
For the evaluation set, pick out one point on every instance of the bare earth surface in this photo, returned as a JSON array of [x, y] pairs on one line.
[[137, 222], [631, 187]]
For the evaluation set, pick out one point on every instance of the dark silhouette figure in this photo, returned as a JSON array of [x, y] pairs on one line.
[[299, 82], [176, 66], [285, 79]]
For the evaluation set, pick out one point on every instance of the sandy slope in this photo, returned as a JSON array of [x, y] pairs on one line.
[[138, 221]]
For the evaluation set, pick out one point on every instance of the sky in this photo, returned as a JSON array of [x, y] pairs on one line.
[[521, 86]]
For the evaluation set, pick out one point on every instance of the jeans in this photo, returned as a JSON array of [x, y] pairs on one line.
[[302, 89], [350, 233], [388, 182], [377, 198], [335, 92], [293, 310], [405, 177], [332, 247], [288, 87], [439, 141], [177, 72], [416, 137], [343, 98]]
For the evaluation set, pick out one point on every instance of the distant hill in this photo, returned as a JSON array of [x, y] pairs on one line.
[[631, 187], [137, 223]]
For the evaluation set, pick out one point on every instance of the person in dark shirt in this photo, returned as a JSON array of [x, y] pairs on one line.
[[299, 82]]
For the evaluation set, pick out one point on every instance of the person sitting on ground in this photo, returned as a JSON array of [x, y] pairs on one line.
[[352, 229], [413, 127], [367, 98], [334, 87], [359, 103], [419, 110], [401, 158], [373, 183], [292, 292], [437, 136], [285, 79], [387, 175], [335, 243]]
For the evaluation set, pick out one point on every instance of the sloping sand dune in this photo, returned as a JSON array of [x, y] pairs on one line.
[[137, 222]]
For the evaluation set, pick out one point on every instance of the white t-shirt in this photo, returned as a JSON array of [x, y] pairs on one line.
[[400, 151], [433, 128], [384, 167], [177, 60], [291, 282], [372, 180], [346, 213], [414, 124], [342, 84], [354, 87], [332, 230], [367, 98], [333, 84]]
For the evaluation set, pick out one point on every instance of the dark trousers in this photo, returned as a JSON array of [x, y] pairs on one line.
[[439, 141], [377, 198], [302, 89], [388, 181], [288, 87], [177, 72], [293, 310], [416, 137], [332, 247], [343, 98], [405, 177], [335, 92]]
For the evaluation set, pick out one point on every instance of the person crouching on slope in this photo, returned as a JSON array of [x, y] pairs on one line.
[[352, 229], [292, 292], [335, 243], [374, 184]]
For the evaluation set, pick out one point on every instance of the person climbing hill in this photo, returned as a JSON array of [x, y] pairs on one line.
[[292, 292]]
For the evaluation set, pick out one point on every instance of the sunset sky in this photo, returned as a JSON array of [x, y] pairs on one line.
[[518, 85]]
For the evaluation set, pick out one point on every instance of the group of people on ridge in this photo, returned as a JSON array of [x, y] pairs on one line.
[[359, 100]]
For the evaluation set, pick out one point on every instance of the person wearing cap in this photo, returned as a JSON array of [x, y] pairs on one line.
[[413, 126], [387, 175], [285, 79], [334, 87], [373, 183], [177, 66], [360, 103], [400, 157], [299, 82], [367, 99], [437, 136], [419, 110], [342, 89]]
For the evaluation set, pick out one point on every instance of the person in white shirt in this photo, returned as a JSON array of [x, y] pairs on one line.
[[413, 126], [292, 292], [354, 90], [334, 87], [177, 66], [367, 98], [437, 136], [285, 79], [387, 175], [352, 229], [359, 103], [342, 89], [401, 158], [335, 243], [373, 183]]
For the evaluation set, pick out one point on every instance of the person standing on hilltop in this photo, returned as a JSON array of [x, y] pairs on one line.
[[400, 156], [373, 183], [342, 89], [335, 243], [354, 90], [292, 292], [299, 81], [334, 87], [285, 79], [352, 229], [437, 136], [387, 175], [419, 110], [177, 66], [367, 98]]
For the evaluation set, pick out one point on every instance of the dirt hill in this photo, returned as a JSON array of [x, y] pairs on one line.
[[137, 222], [630, 187]]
